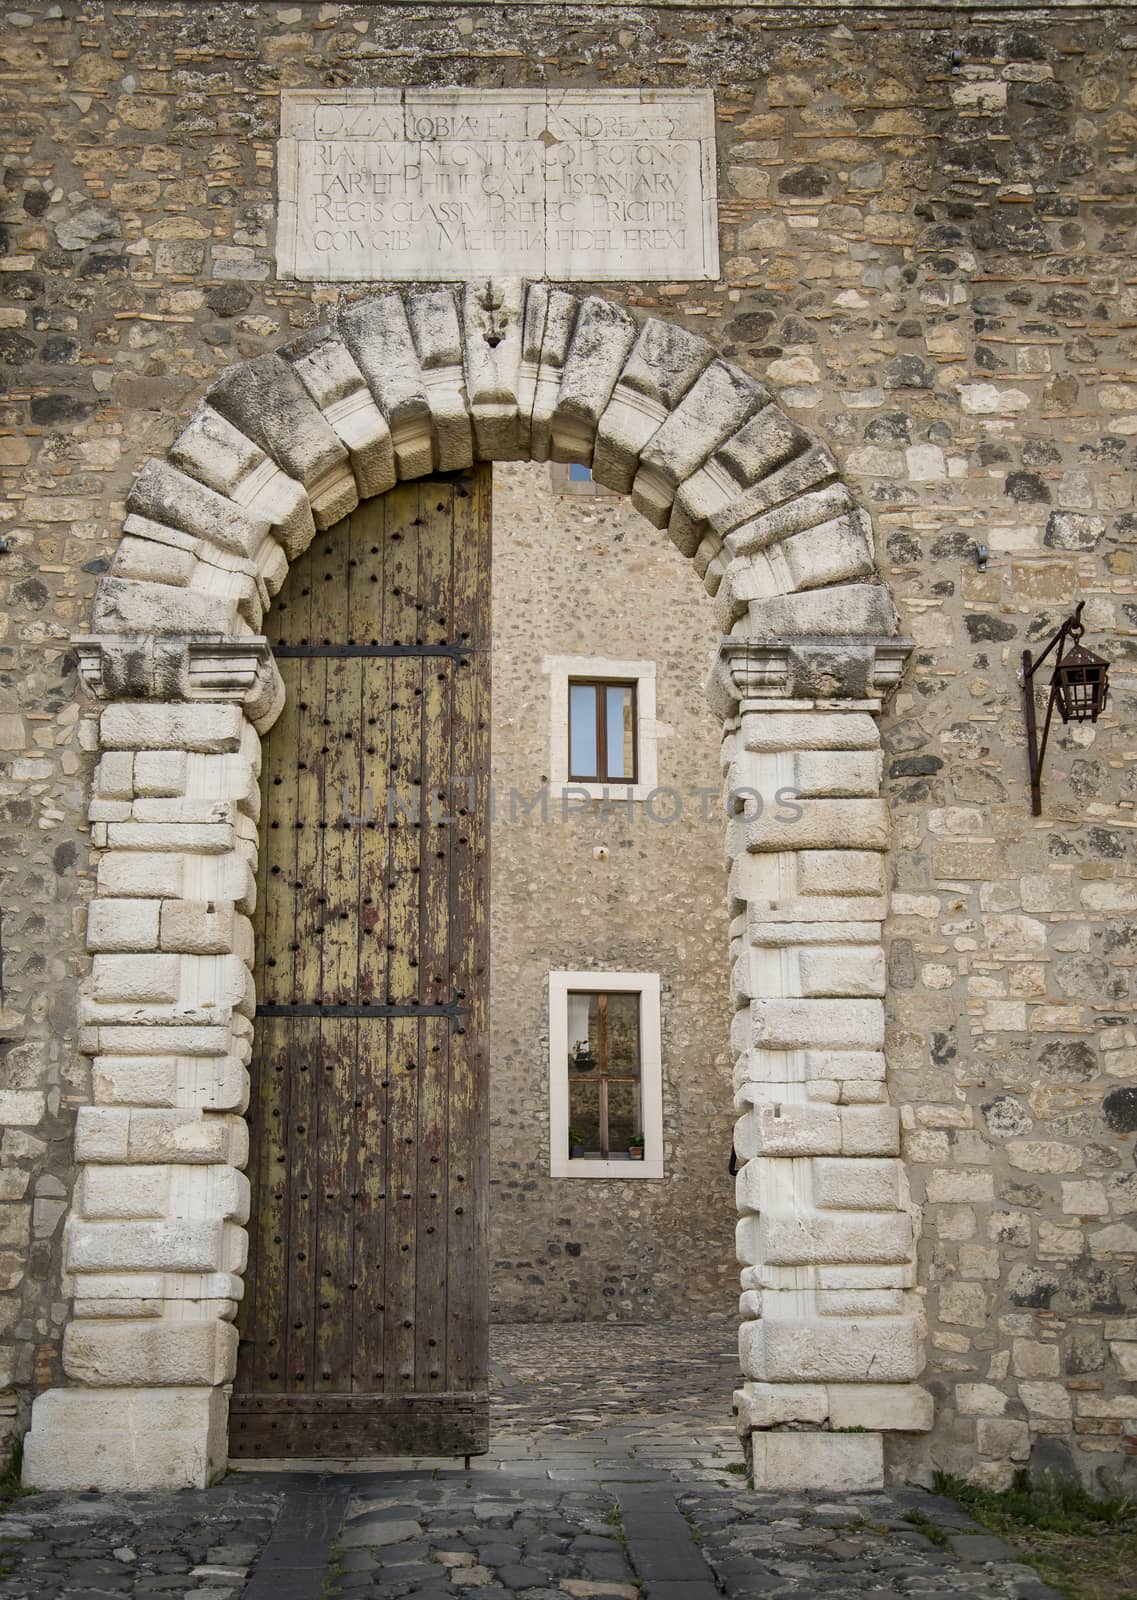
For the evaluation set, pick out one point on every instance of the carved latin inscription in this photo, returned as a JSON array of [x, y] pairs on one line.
[[597, 185]]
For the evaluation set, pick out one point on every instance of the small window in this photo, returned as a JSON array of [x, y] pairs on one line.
[[574, 478], [603, 736], [605, 1075], [602, 731]]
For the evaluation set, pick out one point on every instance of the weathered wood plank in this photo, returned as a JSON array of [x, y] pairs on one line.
[[436, 545], [404, 1054], [402, 626]]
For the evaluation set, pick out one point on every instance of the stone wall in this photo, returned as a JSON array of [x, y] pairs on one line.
[[582, 576], [926, 236]]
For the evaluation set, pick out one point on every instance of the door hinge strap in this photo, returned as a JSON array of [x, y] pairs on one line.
[[456, 652], [450, 1009]]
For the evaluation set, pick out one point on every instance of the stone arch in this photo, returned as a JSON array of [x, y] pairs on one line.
[[402, 384]]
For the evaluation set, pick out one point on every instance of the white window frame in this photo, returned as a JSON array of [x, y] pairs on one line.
[[646, 985], [560, 670]]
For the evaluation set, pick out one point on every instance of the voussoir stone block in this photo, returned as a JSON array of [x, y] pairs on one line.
[[325, 367], [809, 469], [162, 493], [149, 553], [766, 442], [716, 405], [432, 315], [662, 365], [266, 400], [377, 333], [109, 1354], [602, 337], [550, 317], [835, 554], [853, 609], [126, 1439], [210, 449], [813, 509]]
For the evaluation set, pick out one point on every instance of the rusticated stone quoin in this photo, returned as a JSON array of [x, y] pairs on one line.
[[404, 384]]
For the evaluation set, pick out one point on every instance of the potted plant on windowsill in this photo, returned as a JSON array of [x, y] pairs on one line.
[[636, 1147], [576, 1144]]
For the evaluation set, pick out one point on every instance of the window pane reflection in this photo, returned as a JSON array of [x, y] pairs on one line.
[[584, 750], [605, 1109]]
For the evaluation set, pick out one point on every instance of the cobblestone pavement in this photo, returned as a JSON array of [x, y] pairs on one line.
[[145, 1547], [615, 1474]]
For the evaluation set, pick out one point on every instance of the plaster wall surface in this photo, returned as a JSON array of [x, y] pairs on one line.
[[933, 268]]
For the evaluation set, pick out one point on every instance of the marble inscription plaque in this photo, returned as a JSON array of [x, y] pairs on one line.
[[378, 185]]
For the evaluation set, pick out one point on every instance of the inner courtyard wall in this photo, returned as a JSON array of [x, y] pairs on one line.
[[634, 888], [927, 229]]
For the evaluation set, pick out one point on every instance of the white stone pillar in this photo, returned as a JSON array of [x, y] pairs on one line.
[[831, 1336], [155, 1244]]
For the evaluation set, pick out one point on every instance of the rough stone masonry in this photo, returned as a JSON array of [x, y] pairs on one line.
[[926, 228]]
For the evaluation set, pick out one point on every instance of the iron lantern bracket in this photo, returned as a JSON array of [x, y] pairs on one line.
[[1036, 753]]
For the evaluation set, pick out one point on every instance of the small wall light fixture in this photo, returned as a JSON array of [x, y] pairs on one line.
[[1079, 687]]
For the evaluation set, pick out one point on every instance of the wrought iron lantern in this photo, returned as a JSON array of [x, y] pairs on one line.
[[1079, 688]]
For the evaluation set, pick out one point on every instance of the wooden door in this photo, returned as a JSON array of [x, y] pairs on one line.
[[364, 1322]]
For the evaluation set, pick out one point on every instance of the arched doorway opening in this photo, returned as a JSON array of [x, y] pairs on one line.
[[406, 386]]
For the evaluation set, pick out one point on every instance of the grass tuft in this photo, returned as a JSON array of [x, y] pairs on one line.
[[924, 1524], [1084, 1545], [10, 1486], [1054, 1504]]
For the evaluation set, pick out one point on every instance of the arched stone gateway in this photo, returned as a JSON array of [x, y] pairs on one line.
[[400, 386]]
